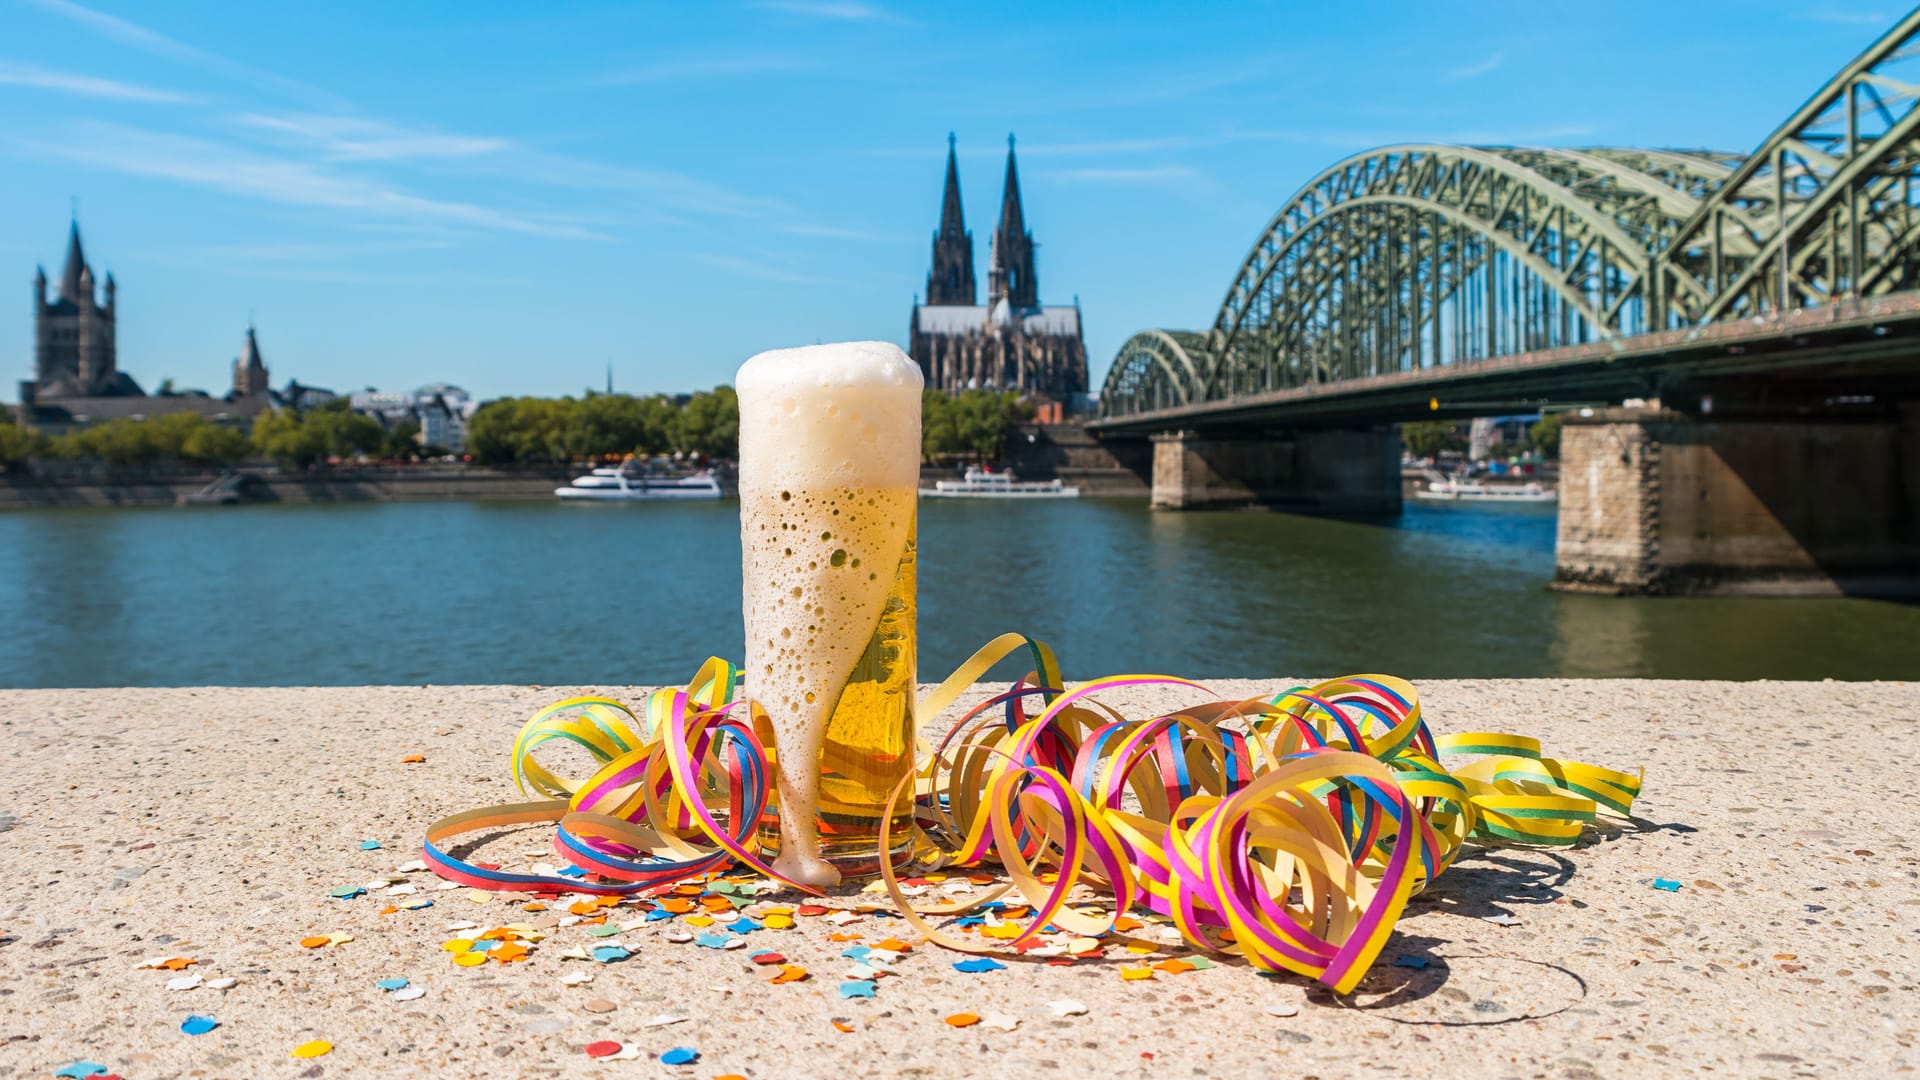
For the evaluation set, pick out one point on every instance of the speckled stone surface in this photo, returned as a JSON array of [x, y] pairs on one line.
[[211, 823]]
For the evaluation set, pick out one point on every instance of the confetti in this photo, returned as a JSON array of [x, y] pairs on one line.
[[1283, 1010], [858, 988], [224, 982], [1666, 884], [184, 982], [1000, 1021], [778, 922], [680, 1055], [790, 973], [1133, 974], [312, 1049], [603, 1048], [1067, 1007], [609, 954], [978, 965], [470, 959], [663, 1020], [414, 759], [576, 978], [1175, 966], [961, 1020], [369, 845], [82, 1069], [842, 1025], [198, 1025], [767, 958], [409, 993], [1417, 963], [316, 942], [396, 983], [600, 1005], [177, 963], [1504, 919]]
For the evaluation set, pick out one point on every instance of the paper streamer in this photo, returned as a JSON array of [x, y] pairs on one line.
[[1289, 830]]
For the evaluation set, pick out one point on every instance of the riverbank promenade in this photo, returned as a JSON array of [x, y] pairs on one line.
[[232, 827]]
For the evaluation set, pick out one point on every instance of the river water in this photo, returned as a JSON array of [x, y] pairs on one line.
[[551, 594]]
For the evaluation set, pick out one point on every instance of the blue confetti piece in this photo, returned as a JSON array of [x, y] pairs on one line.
[[744, 925], [1666, 884], [759, 952], [608, 954], [369, 845], [858, 952], [711, 941], [485, 945], [978, 965], [1417, 963], [858, 988], [347, 892], [971, 920], [656, 915], [82, 1068], [680, 1055], [199, 1025], [395, 983], [421, 906], [572, 871]]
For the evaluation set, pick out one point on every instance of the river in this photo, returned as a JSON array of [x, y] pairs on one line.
[[536, 593]]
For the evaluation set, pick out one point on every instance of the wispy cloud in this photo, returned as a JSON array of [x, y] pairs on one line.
[[761, 270], [349, 138], [139, 37], [235, 171], [1473, 71], [1150, 176], [1360, 139], [830, 232], [846, 11], [276, 253], [87, 85], [707, 68], [1847, 18]]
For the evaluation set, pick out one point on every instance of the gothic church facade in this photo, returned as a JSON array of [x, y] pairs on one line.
[[1013, 341]]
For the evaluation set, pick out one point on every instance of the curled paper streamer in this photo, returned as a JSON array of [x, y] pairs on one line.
[[1289, 830]]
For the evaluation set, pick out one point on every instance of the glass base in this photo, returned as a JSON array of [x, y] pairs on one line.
[[851, 848]]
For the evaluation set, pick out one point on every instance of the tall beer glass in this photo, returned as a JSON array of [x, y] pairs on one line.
[[829, 479]]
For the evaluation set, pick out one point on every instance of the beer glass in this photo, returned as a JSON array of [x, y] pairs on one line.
[[829, 492]]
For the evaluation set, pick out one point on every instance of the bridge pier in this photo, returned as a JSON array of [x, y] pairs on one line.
[[1329, 471], [1657, 502]]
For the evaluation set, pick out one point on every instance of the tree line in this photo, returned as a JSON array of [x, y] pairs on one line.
[[521, 430]]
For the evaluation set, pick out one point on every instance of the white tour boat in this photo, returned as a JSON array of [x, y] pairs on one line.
[[981, 484], [1448, 489], [626, 485]]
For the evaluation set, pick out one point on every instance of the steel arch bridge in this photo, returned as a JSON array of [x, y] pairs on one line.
[[1428, 263]]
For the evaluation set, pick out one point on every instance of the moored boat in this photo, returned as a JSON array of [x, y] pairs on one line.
[[981, 484], [628, 485], [1448, 489]]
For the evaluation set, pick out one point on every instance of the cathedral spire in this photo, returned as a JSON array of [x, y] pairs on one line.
[[1012, 273], [951, 279], [76, 263]]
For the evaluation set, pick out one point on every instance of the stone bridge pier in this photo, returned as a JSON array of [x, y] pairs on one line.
[[1347, 471], [1656, 501]]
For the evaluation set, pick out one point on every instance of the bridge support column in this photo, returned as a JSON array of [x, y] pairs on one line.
[[1346, 471], [1656, 502]]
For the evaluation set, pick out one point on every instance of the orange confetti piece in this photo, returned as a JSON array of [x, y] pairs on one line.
[[414, 759], [314, 942], [716, 903], [981, 879], [790, 973], [894, 944], [180, 962], [1136, 974], [811, 910], [312, 1049], [388, 910], [961, 1020], [1126, 924], [584, 907], [843, 937], [507, 954], [678, 907], [841, 1025], [688, 890], [1175, 966], [535, 906]]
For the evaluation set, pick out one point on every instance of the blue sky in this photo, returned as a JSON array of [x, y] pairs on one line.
[[511, 196]]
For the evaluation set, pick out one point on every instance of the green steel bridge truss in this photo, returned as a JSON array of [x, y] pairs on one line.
[[1417, 257]]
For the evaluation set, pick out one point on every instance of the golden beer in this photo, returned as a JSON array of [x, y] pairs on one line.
[[829, 469]]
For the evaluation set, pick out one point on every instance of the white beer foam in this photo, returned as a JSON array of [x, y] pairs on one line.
[[829, 472]]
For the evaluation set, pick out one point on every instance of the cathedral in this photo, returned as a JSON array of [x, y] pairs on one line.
[[1012, 342], [73, 348]]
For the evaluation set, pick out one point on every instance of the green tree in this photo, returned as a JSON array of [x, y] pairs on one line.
[[1426, 438], [1545, 433], [402, 441], [19, 444], [710, 424]]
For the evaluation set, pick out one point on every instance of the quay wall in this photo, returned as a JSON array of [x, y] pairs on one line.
[[109, 487]]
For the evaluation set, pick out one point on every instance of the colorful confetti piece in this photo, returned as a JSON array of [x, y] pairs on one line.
[[313, 1049], [680, 1055]]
